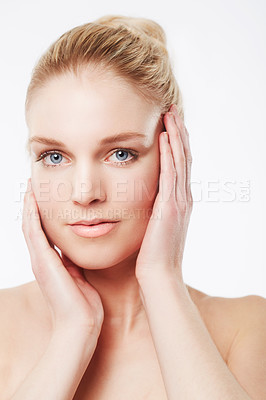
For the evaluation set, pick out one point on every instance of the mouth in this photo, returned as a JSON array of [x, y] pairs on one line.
[[94, 230]]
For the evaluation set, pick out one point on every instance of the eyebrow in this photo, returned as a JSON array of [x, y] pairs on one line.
[[123, 136]]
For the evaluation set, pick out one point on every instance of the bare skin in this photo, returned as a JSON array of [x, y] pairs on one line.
[[50, 346], [129, 367]]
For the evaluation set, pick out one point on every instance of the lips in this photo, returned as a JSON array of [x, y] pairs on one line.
[[93, 222], [87, 229]]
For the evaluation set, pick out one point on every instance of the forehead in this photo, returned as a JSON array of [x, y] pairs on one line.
[[91, 102]]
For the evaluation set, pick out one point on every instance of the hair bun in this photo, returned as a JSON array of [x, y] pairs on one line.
[[136, 25]]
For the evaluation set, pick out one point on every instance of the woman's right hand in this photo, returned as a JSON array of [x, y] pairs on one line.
[[74, 303], [76, 315]]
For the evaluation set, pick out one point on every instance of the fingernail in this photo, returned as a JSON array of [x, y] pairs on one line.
[[171, 115], [175, 111], [173, 107]]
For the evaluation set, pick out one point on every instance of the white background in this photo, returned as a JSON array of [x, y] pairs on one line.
[[218, 52]]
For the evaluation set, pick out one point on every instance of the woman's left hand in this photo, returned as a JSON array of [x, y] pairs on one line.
[[162, 248]]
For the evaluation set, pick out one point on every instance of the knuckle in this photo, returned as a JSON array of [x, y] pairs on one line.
[[189, 159], [190, 206], [86, 322], [35, 266], [31, 234], [183, 207], [181, 159], [173, 172], [172, 210]]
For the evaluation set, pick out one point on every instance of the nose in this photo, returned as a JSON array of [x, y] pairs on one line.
[[87, 186]]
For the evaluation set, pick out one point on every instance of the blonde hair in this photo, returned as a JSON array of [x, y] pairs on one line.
[[133, 48]]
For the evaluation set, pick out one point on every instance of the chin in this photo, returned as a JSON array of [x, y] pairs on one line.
[[104, 260]]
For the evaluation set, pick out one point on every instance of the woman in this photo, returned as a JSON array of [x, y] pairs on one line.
[[109, 315]]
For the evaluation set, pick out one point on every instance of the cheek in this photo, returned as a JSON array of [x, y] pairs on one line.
[[50, 215], [134, 189], [50, 207], [146, 188], [147, 185], [143, 187]]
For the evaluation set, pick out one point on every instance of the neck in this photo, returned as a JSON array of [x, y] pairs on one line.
[[118, 288]]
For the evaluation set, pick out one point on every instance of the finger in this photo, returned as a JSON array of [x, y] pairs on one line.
[[167, 180], [185, 139], [55, 282], [189, 164], [42, 241], [32, 228], [178, 156]]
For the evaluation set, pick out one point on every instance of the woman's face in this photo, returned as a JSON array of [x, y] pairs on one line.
[[88, 176]]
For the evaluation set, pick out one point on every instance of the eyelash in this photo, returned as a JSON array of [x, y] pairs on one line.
[[120, 164]]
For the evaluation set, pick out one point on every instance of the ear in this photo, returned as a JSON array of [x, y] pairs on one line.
[[162, 122], [164, 128]]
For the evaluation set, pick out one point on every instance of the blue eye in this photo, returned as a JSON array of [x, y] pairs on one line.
[[55, 157], [124, 153]]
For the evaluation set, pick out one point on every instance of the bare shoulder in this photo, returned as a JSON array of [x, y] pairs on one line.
[[19, 301], [23, 333], [13, 305], [241, 310], [21, 307], [243, 314], [238, 328], [12, 302], [230, 319], [247, 357]]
